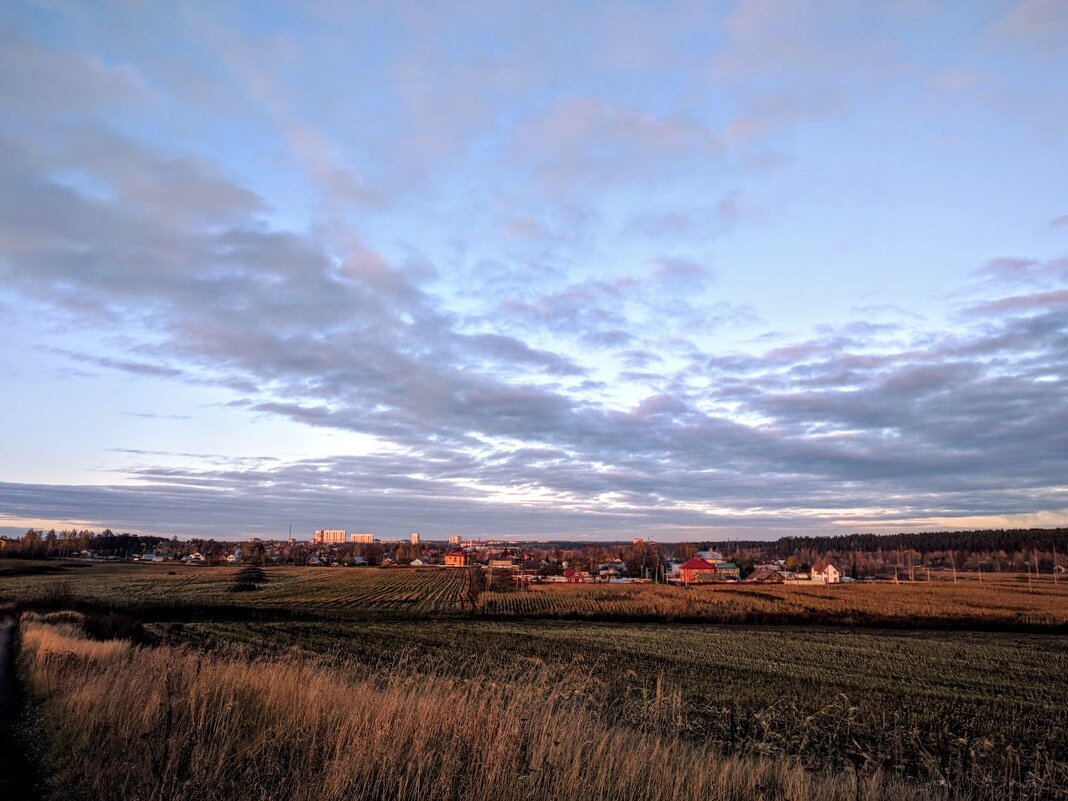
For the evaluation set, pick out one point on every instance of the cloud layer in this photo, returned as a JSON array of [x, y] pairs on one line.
[[517, 374]]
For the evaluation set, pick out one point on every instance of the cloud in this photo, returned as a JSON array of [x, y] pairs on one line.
[[1035, 19], [849, 418], [562, 389], [579, 142], [123, 365], [676, 269], [156, 416], [1008, 272], [41, 82]]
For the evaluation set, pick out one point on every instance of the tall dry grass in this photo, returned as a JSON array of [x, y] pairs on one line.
[[166, 723]]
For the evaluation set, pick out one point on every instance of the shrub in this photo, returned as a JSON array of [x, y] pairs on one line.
[[251, 574], [112, 626]]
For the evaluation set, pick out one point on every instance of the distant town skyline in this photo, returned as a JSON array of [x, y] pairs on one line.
[[680, 271]]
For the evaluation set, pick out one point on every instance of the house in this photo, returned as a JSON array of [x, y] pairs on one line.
[[456, 559], [696, 570], [710, 556], [776, 565], [417, 563], [195, 558], [728, 570], [765, 576], [826, 572]]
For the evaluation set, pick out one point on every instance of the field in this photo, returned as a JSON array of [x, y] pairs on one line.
[[320, 591], [170, 723], [930, 704], [1001, 603], [772, 706], [994, 602]]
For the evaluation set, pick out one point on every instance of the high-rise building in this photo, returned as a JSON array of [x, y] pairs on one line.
[[415, 538], [454, 539], [362, 537], [330, 536]]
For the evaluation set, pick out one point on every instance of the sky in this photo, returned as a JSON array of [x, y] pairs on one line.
[[685, 271]]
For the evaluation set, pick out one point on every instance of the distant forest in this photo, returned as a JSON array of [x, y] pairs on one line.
[[1009, 541], [1034, 549]]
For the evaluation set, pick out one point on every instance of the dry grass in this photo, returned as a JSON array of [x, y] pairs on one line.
[[168, 723], [1004, 601], [339, 591], [62, 639]]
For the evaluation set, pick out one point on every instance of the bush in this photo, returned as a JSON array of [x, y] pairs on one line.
[[251, 574], [112, 626]]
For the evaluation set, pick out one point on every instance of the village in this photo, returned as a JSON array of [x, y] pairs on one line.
[[522, 563], [788, 561]]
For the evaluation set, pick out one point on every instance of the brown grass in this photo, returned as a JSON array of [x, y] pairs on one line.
[[996, 601], [1006, 602], [169, 723], [425, 592]]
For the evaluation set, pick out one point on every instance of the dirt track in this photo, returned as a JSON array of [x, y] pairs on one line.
[[17, 780]]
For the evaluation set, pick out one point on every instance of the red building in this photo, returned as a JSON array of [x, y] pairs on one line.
[[697, 570]]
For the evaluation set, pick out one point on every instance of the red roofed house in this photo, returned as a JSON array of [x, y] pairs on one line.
[[697, 570]]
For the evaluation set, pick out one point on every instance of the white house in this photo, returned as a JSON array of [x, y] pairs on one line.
[[825, 572]]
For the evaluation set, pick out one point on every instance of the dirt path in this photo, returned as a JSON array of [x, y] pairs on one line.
[[17, 777]]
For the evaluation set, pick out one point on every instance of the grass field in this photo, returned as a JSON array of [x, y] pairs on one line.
[[320, 591], [936, 705], [995, 601], [1006, 602], [170, 723], [950, 711]]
